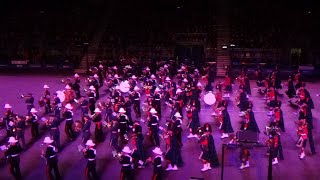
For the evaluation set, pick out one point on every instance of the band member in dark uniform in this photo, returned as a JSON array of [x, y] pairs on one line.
[[34, 124], [13, 156], [92, 99], [84, 106], [56, 106], [30, 102], [97, 118], [90, 154], [19, 127], [86, 133], [157, 101], [138, 154], [173, 154], [68, 115], [8, 119], [127, 106], [226, 126], [126, 162], [195, 122], [209, 155], [123, 125], [136, 101], [243, 101], [52, 161], [76, 86], [157, 164], [53, 126], [115, 130], [154, 128], [177, 129], [46, 98]]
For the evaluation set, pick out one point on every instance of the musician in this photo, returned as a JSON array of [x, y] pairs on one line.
[[157, 164], [244, 157], [46, 98], [116, 80], [243, 101], [194, 124], [13, 156], [76, 86], [291, 92], [227, 86], [179, 99], [157, 101], [116, 94], [19, 126], [69, 95], [68, 115], [133, 82], [305, 93], [136, 101], [30, 102], [253, 126], [173, 154], [101, 74], [127, 107], [127, 172], [298, 79], [53, 126], [90, 154], [273, 143], [97, 118], [138, 154], [136, 128], [56, 106], [172, 87], [177, 129], [247, 86], [260, 78], [96, 85], [148, 87], [86, 133], [115, 129], [153, 125], [84, 106], [153, 83], [123, 125], [92, 99], [34, 124], [8, 119], [302, 133], [52, 161], [214, 161], [278, 118], [226, 126]]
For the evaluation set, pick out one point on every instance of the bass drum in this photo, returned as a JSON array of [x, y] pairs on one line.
[[124, 86], [61, 95], [209, 98]]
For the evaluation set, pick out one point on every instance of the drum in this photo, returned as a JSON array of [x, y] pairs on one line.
[[209, 98], [124, 86], [60, 95]]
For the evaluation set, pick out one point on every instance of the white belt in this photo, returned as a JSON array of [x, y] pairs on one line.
[[52, 156], [137, 99], [69, 119], [125, 164], [159, 165], [123, 122], [154, 124], [179, 126], [91, 159], [14, 155], [91, 97]]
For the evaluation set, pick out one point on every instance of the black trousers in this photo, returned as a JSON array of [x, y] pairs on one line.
[[35, 130], [68, 129], [310, 138], [15, 167], [52, 168], [126, 174], [155, 138], [91, 171], [20, 138]]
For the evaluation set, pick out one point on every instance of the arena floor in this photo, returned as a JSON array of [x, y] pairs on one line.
[[72, 163]]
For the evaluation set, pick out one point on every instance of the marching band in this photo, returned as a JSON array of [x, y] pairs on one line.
[[181, 93]]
